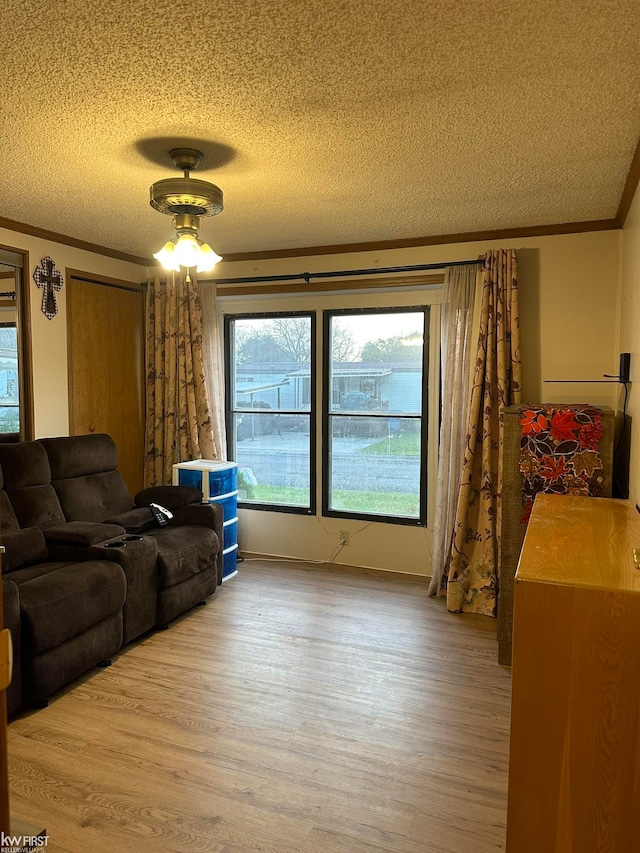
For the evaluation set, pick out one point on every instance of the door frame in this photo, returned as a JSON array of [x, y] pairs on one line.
[[25, 356]]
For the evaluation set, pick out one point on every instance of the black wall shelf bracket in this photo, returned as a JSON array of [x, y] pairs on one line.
[[622, 377]]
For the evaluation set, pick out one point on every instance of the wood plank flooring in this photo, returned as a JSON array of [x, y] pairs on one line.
[[305, 709]]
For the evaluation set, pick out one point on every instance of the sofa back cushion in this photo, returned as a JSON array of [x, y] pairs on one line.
[[23, 548], [8, 520], [26, 478], [85, 477]]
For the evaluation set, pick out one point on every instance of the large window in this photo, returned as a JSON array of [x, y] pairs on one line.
[[373, 376], [374, 432], [270, 408]]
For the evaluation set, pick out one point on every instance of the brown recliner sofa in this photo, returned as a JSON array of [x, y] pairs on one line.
[[70, 611], [90, 489], [77, 547]]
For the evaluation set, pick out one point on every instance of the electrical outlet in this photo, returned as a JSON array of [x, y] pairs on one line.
[[344, 537]]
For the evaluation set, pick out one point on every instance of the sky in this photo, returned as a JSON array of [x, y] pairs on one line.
[[372, 327]]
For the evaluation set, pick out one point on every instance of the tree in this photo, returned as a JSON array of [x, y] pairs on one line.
[[343, 347], [258, 347], [292, 335], [287, 339], [392, 349]]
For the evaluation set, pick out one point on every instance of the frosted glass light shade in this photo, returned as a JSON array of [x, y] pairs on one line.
[[167, 257], [187, 250], [208, 258]]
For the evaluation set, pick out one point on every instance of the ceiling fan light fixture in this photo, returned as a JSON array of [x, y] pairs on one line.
[[186, 200]]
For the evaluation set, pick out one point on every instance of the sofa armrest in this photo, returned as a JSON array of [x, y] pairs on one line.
[[138, 558], [134, 520], [81, 533], [206, 515], [171, 497], [202, 514]]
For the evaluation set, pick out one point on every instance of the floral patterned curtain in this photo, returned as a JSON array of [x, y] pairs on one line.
[[471, 575], [178, 421]]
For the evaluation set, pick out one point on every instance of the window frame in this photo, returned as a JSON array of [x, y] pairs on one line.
[[327, 415], [14, 436], [231, 409]]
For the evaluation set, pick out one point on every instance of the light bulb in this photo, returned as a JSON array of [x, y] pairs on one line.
[[167, 257], [208, 258], [187, 251]]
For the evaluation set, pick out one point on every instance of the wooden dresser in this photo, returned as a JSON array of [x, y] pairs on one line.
[[574, 767]]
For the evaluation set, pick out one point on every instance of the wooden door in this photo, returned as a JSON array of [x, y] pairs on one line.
[[106, 353]]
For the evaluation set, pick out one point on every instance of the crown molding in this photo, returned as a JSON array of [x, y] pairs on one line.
[[373, 246], [44, 234], [434, 240]]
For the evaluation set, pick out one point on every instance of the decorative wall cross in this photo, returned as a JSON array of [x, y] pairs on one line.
[[49, 278]]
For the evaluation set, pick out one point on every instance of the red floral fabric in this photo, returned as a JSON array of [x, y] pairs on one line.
[[559, 452]]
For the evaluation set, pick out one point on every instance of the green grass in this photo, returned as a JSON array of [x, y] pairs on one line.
[[263, 494], [350, 501], [405, 444], [393, 503]]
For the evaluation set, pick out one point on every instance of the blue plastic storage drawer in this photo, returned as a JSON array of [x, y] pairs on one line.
[[211, 478], [223, 481], [229, 562], [229, 504], [230, 530]]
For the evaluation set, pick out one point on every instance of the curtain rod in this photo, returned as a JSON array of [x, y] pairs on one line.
[[307, 276]]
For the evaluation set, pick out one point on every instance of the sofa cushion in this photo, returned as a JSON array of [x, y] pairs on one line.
[[183, 552], [23, 548], [79, 455], [66, 599], [24, 464], [8, 520], [36, 506], [26, 478], [95, 497]]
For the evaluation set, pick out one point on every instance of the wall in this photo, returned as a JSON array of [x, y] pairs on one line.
[[630, 334], [569, 328], [571, 324], [49, 337]]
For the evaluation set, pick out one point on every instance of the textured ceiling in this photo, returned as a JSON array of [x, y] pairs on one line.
[[328, 121]]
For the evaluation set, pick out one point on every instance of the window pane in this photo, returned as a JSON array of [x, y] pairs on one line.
[[272, 368], [9, 388], [376, 362], [374, 454], [273, 456], [374, 465], [271, 394]]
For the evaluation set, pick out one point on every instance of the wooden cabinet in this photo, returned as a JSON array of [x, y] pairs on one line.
[[574, 767], [512, 529]]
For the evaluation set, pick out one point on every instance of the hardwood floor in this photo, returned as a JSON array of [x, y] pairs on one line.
[[305, 709]]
